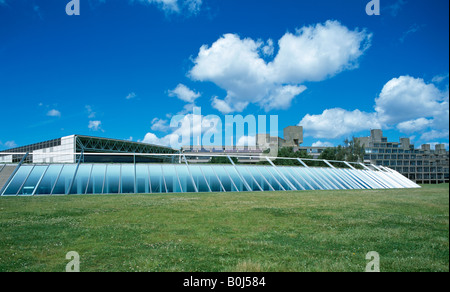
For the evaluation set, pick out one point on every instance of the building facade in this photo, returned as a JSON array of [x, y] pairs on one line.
[[62, 150], [423, 166]]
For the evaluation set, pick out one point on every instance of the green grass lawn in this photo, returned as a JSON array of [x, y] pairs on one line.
[[282, 231]]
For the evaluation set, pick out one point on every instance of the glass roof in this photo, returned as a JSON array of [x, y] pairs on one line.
[[85, 178]]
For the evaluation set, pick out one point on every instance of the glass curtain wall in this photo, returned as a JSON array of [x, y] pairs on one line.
[[72, 179]]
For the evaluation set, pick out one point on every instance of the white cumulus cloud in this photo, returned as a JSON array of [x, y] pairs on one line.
[[409, 104], [95, 126], [54, 113], [313, 53], [336, 123], [184, 93], [322, 144]]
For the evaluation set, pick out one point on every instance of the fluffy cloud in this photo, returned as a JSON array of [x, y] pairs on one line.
[[160, 125], [440, 78], [131, 95], [336, 123], [95, 126], [407, 98], [434, 134], [313, 53], [184, 93], [409, 104], [54, 113], [8, 144], [176, 6], [322, 144], [184, 128], [414, 125]]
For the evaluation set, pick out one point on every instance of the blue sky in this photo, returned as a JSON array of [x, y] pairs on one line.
[[123, 68]]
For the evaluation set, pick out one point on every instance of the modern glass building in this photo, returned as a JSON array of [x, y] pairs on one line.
[[83, 178]]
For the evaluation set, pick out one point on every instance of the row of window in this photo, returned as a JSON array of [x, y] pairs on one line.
[[168, 178]]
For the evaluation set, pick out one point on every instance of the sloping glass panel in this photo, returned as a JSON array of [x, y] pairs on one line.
[[237, 181], [185, 179], [65, 178], [224, 178], [142, 179], [157, 181], [375, 179], [303, 178], [199, 179], [18, 180], [364, 183], [97, 179], [171, 178], [81, 179], [260, 179], [32, 180], [344, 179], [270, 178], [322, 183], [127, 176], [339, 181], [278, 177], [320, 175], [287, 173], [213, 179], [49, 180], [249, 178], [112, 180]]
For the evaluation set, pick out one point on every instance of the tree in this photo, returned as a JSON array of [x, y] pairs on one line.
[[223, 160], [288, 152]]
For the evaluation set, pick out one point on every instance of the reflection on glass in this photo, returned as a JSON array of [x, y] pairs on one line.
[[17, 181], [237, 181], [81, 179], [272, 181], [319, 178], [127, 184], [185, 179], [199, 179], [112, 179], [248, 178], [301, 176], [211, 177], [171, 179], [96, 181], [323, 173], [260, 179], [157, 180], [49, 180], [65, 178], [287, 173], [224, 178], [142, 179], [277, 176], [32, 180]]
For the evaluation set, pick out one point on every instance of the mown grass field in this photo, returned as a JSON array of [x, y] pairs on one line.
[[283, 231]]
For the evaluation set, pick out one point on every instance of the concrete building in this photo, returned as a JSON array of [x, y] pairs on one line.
[[424, 165]]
